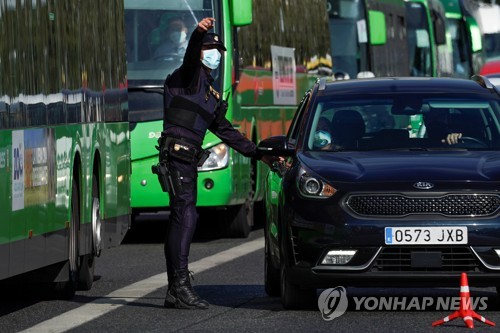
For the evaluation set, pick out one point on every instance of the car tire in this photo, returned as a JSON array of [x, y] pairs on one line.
[[293, 297], [271, 274]]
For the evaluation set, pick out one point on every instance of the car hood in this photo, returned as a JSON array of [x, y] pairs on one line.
[[377, 166]]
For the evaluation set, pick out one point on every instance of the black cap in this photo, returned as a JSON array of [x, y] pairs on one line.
[[213, 40]]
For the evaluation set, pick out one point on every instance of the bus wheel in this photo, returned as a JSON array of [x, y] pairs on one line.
[[66, 289], [96, 217], [86, 276], [235, 221]]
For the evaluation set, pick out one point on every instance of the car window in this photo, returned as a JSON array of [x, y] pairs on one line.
[[404, 122], [297, 119]]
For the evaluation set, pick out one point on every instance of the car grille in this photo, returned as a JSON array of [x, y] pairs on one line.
[[398, 259], [448, 205]]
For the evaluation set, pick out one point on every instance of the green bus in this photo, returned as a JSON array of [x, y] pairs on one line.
[[429, 52], [466, 39], [64, 140], [365, 34], [260, 104]]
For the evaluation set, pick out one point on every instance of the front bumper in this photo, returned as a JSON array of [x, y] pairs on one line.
[[377, 264], [320, 279]]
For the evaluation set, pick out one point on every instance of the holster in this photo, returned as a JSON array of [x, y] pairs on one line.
[[164, 177]]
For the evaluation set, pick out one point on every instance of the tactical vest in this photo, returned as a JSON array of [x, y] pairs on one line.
[[195, 112]]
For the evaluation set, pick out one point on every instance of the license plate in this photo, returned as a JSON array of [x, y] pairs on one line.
[[425, 236]]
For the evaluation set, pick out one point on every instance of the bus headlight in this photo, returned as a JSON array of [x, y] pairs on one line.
[[218, 159]]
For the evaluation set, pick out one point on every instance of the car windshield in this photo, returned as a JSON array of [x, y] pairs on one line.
[[404, 121]]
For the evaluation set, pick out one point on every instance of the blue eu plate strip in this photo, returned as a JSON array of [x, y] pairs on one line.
[[388, 235]]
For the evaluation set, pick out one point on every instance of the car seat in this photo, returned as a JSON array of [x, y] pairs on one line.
[[348, 126]]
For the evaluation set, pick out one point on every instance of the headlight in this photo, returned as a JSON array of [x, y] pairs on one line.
[[313, 187], [218, 159]]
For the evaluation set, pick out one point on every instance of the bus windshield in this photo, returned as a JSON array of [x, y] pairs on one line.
[[157, 32], [348, 36]]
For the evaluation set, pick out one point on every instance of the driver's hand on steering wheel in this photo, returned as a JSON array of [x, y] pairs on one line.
[[452, 138]]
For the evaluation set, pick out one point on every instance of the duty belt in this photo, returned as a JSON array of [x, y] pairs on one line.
[[181, 149]]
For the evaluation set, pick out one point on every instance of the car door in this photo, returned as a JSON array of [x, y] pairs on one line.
[[275, 177]]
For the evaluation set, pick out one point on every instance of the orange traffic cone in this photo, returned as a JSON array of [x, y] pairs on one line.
[[465, 310]]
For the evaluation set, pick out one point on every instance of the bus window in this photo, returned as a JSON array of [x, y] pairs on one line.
[[156, 36], [419, 44], [459, 39]]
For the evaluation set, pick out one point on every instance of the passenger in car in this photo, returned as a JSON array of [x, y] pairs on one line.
[[322, 136]]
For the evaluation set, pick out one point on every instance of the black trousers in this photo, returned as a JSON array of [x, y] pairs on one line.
[[183, 217]]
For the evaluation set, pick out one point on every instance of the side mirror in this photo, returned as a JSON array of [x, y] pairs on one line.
[[378, 34], [275, 146], [241, 12]]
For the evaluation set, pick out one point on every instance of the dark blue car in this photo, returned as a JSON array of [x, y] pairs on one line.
[[386, 182]]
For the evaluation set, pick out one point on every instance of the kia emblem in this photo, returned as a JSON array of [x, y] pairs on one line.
[[423, 185]]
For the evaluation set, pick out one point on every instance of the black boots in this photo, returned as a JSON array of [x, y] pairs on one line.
[[181, 294]]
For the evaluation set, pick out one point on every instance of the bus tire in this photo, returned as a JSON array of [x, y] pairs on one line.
[[235, 221], [67, 289], [86, 277], [87, 262], [96, 217]]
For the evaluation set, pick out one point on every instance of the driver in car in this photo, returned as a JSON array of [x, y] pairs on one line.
[[438, 128]]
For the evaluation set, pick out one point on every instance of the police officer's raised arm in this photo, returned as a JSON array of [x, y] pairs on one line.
[[191, 61]]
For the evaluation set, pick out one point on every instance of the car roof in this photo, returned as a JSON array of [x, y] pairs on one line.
[[396, 85]]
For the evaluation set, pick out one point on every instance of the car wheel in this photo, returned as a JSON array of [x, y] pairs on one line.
[[271, 274], [294, 297]]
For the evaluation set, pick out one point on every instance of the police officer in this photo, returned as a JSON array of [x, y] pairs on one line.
[[191, 106]]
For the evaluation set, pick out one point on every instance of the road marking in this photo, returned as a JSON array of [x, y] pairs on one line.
[[121, 297]]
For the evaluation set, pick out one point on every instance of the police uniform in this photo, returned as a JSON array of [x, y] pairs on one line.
[[191, 107]]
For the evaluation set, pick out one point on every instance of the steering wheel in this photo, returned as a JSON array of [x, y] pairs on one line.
[[468, 140]]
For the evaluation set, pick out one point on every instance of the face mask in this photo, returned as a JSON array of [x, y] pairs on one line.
[[211, 58], [178, 37], [321, 139]]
